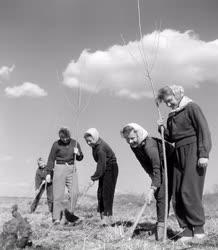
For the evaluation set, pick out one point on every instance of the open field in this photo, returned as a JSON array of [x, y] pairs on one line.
[[89, 234]]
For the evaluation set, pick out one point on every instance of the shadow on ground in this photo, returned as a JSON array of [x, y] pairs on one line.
[[146, 229]]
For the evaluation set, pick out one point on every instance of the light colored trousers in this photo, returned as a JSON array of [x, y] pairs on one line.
[[64, 176]]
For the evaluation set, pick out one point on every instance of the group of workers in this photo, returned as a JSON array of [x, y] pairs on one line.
[[187, 143]]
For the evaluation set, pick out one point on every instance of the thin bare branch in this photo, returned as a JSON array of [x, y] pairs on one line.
[[90, 97], [156, 48], [66, 97], [141, 37], [130, 53]]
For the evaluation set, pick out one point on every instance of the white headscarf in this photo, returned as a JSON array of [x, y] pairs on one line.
[[178, 91], [141, 132], [94, 133]]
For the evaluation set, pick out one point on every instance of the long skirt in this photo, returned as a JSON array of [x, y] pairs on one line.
[[188, 184]]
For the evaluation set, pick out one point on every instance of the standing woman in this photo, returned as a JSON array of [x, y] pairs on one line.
[[61, 160], [188, 129], [106, 173]]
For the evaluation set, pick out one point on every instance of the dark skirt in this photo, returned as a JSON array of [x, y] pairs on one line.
[[188, 184], [106, 189]]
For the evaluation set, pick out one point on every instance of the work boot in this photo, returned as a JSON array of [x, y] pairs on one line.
[[187, 234], [199, 232], [160, 231]]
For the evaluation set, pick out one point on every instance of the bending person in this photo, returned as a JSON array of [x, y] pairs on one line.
[[188, 129], [148, 151], [106, 173], [62, 158]]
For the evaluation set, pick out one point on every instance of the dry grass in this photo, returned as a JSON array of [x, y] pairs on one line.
[[89, 234]]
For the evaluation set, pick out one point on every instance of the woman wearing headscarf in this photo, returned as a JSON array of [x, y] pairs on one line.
[[188, 129], [106, 173], [61, 160], [148, 151]]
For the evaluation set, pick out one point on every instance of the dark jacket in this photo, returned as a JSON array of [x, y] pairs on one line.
[[104, 156], [63, 153], [189, 125], [40, 176], [150, 155]]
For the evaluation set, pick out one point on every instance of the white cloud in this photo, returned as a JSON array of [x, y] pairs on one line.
[[5, 72], [26, 89], [181, 58]]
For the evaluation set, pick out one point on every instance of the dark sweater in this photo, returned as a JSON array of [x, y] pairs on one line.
[[40, 176], [104, 156], [149, 154], [63, 153], [189, 125]]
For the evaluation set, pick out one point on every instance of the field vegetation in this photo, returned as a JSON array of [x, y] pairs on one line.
[[88, 233]]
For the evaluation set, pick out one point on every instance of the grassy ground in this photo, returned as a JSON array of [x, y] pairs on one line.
[[89, 234]]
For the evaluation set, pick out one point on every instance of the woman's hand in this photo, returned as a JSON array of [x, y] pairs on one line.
[[48, 178], [202, 162], [76, 151], [160, 122], [150, 195]]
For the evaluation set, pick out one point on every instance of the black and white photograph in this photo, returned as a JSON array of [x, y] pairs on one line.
[[108, 124]]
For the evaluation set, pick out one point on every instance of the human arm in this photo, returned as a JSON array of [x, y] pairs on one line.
[[202, 132], [162, 129], [154, 157], [51, 159], [150, 194], [101, 165], [78, 152], [203, 162], [38, 180]]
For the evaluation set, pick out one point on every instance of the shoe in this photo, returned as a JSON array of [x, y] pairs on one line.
[[188, 232], [187, 235], [56, 222], [199, 232], [184, 239], [200, 236]]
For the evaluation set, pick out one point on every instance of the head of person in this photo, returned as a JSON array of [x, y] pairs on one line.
[[170, 95], [91, 136], [41, 162], [64, 135], [134, 134]]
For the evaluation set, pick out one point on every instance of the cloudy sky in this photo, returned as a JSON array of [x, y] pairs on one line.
[[58, 57]]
